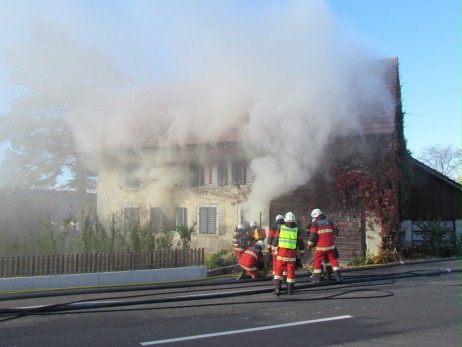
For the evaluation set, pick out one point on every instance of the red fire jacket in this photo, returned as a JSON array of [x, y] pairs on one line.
[[251, 259], [322, 234]]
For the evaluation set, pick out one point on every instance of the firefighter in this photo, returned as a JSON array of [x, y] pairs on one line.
[[271, 233], [327, 266], [322, 235], [285, 244], [252, 261], [255, 234], [239, 241]]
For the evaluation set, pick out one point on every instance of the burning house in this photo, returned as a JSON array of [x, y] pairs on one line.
[[210, 174]]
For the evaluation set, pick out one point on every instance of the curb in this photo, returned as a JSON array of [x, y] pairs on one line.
[[102, 279]]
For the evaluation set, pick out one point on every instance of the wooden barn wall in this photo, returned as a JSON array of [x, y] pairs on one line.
[[432, 198]]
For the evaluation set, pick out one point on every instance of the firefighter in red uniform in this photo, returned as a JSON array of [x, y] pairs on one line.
[[322, 235], [271, 234], [285, 244], [327, 266], [252, 261], [239, 241]]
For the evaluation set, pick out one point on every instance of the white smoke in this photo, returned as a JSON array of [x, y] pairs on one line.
[[282, 74]]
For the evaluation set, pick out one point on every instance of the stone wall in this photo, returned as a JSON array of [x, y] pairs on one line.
[[113, 197], [227, 200]]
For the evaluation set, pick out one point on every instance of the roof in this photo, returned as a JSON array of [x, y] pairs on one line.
[[436, 174]]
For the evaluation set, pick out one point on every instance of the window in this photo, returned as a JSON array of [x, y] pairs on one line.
[[163, 221], [248, 174], [160, 221], [207, 217], [238, 172], [132, 180], [222, 174], [181, 216], [131, 217], [196, 175]]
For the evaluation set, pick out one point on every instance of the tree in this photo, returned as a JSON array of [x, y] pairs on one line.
[[444, 159], [66, 82]]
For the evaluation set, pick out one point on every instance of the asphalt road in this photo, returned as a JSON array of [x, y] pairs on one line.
[[409, 305]]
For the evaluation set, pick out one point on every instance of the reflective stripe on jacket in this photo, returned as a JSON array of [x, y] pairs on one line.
[[322, 234], [251, 258]]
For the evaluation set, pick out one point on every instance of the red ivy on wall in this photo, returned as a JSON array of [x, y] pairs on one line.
[[375, 190]]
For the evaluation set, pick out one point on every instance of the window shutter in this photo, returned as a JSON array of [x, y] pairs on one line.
[[237, 172], [207, 220], [212, 220], [181, 216], [196, 175], [203, 220], [222, 173]]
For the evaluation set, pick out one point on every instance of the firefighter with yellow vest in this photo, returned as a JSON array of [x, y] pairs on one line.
[[287, 241]]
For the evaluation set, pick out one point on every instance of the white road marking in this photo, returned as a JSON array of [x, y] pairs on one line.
[[186, 338]]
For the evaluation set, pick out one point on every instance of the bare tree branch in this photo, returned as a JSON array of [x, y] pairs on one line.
[[444, 159]]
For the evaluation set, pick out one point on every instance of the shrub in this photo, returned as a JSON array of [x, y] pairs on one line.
[[185, 235], [220, 259], [438, 240]]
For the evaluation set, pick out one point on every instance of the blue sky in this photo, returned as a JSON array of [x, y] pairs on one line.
[[426, 37], [424, 34]]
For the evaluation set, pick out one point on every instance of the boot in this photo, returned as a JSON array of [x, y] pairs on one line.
[[277, 287], [316, 279], [329, 273], [338, 277], [290, 288], [241, 276]]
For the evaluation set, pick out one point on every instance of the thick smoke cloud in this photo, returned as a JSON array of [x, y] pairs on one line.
[[282, 74]]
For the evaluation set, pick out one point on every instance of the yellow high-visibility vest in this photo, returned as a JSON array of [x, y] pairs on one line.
[[288, 237]]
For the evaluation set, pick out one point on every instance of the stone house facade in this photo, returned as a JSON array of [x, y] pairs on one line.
[[208, 200]]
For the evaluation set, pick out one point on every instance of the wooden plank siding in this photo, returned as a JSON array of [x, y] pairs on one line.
[[20, 266], [432, 195]]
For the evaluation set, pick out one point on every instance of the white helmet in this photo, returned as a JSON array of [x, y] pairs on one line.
[[316, 213], [289, 217], [279, 216], [240, 226], [253, 224], [261, 243]]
